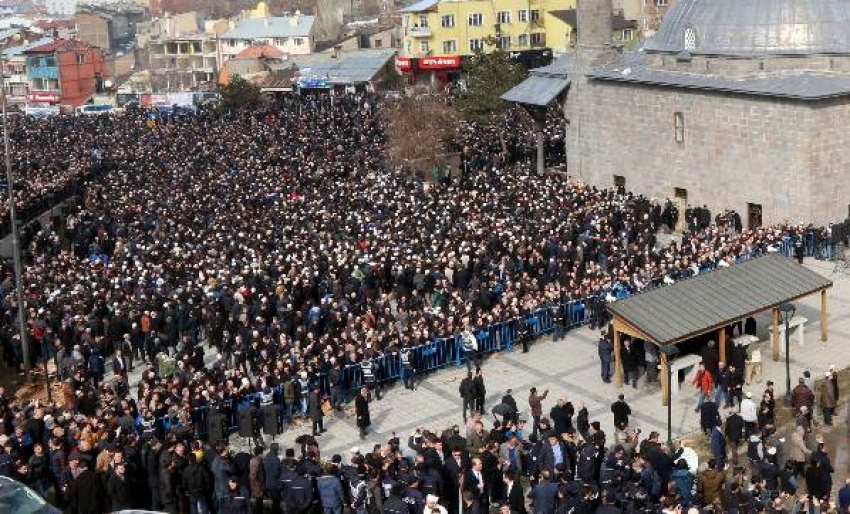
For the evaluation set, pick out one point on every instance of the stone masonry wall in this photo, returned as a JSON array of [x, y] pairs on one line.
[[789, 157]]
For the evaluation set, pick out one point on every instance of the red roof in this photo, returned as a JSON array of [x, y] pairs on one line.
[[58, 44], [260, 51], [53, 24]]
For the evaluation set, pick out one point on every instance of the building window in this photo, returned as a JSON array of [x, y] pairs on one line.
[[503, 17], [447, 21], [423, 47], [279, 41], [476, 19], [379, 43], [504, 42], [50, 62], [476, 45], [38, 84], [754, 215], [522, 15], [449, 47], [627, 35], [297, 41], [535, 14], [538, 39], [679, 127], [661, 3], [690, 39], [679, 192], [231, 43], [423, 20], [522, 40], [81, 58]]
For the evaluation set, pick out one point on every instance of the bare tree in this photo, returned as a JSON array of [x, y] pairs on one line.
[[419, 129]]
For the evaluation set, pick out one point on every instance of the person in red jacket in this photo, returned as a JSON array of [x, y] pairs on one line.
[[704, 382]]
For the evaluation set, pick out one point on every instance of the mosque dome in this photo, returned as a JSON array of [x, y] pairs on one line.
[[752, 28]]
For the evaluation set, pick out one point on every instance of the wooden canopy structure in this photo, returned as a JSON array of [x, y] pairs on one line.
[[710, 302]]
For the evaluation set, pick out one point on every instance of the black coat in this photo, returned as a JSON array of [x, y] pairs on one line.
[[562, 417], [119, 491], [83, 494], [516, 498], [621, 411], [361, 409]]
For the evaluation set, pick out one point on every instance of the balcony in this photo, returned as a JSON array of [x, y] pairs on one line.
[[419, 31]]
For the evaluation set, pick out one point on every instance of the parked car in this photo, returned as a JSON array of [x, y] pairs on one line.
[[16, 498]]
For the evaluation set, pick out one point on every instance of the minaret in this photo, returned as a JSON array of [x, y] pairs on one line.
[[595, 49], [595, 28]]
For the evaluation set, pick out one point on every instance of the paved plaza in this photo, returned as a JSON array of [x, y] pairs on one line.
[[570, 368]]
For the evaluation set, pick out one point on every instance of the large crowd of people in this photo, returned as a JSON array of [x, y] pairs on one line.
[[280, 238]]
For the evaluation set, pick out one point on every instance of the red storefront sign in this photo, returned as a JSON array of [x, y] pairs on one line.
[[404, 63], [50, 98], [442, 62]]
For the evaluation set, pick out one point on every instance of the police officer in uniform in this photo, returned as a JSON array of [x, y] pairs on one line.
[[407, 367], [369, 367]]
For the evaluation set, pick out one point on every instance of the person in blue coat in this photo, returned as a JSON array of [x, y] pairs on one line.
[[684, 481], [718, 447], [544, 495]]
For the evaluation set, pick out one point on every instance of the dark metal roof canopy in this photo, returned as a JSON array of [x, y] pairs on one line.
[[711, 301]]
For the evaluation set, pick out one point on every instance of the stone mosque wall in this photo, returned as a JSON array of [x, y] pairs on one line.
[[790, 157]]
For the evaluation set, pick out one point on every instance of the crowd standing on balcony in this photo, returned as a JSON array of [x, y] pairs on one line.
[[280, 238]]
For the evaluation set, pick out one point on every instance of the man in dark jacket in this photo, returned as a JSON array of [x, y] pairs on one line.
[[467, 394], [82, 492], [621, 411], [545, 495], [167, 492], [314, 411], [606, 356], [361, 410], [118, 488], [272, 470], [196, 483], [562, 416], [235, 499], [735, 433]]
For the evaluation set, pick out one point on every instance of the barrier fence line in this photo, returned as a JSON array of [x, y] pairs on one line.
[[442, 352]]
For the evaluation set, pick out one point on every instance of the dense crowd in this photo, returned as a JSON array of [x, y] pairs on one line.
[[280, 238]]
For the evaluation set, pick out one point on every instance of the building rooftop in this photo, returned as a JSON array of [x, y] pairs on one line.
[[795, 85], [21, 49], [56, 44], [347, 68], [261, 51], [280, 26], [755, 27], [422, 5]]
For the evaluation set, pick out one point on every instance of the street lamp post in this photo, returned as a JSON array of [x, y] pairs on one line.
[[16, 240], [670, 351], [787, 311]]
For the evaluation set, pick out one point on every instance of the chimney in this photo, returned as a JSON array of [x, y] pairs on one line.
[[293, 20], [595, 23]]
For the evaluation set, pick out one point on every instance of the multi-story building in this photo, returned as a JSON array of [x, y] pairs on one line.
[[561, 30], [292, 35], [15, 71], [439, 33], [64, 72], [182, 62], [61, 8]]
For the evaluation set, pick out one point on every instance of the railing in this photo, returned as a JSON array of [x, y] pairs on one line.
[[440, 352]]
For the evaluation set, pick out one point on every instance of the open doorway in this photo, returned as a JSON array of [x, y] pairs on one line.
[[754, 215], [620, 184], [680, 200]]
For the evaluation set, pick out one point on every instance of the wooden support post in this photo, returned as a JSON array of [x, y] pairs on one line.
[[665, 391], [823, 326], [775, 334], [721, 336], [618, 362]]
